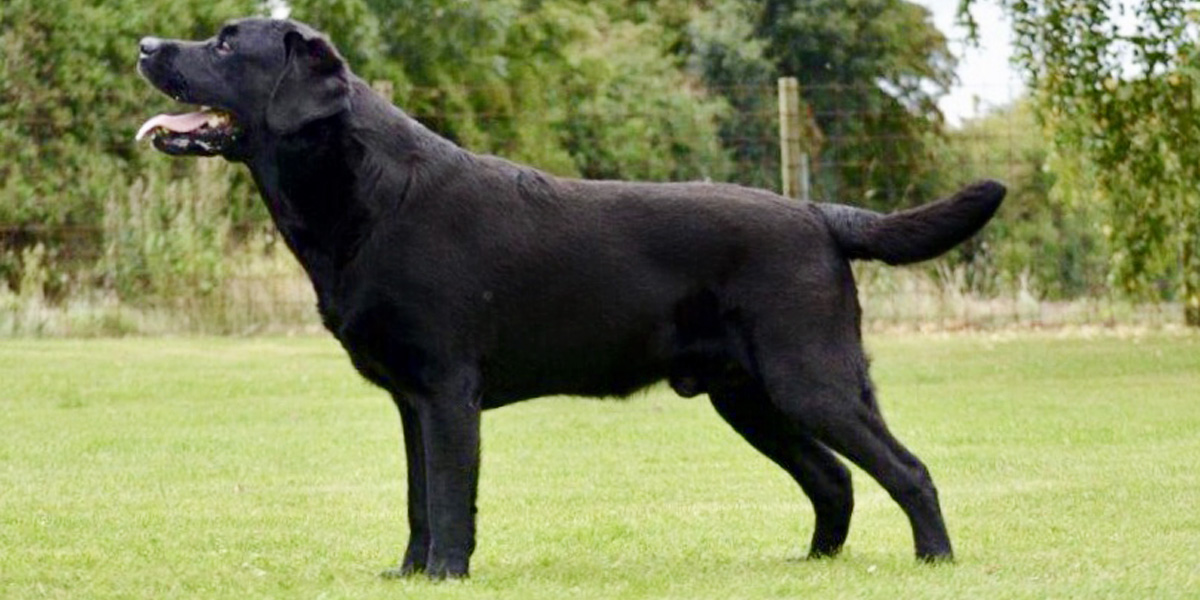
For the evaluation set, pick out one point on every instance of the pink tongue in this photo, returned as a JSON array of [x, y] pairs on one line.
[[179, 123]]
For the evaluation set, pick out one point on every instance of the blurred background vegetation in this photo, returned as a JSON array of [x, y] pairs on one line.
[[102, 236]]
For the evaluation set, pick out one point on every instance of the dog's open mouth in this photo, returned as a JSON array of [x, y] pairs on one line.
[[206, 132]]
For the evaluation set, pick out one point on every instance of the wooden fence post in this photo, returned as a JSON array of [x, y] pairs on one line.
[[789, 136], [793, 161], [384, 88]]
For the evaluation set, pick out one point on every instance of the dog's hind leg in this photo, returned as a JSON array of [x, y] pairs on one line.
[[824, 389], [823, 478]]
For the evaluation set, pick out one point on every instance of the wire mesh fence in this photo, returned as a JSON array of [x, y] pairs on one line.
[[168, 255]]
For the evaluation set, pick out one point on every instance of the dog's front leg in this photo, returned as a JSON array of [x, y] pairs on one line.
[[449, 425], [416, 556]]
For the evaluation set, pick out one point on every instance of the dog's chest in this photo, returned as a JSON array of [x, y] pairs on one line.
[[395, 340], [380, 358]]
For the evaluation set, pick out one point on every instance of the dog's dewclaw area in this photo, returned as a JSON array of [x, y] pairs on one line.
[[194, 468]]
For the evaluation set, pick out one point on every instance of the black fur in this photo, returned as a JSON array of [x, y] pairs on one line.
[[460, 282], [916, 234]]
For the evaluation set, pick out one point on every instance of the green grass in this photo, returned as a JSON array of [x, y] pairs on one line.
[[219, 468]]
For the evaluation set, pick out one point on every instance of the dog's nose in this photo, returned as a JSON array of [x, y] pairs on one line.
[[149, 45]]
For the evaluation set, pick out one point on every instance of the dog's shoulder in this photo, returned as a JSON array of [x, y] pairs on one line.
[[523, 183], [536, 186]]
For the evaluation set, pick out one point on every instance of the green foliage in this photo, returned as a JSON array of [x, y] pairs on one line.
[[70, 101], [723, 48], [165, 241], [1124, 100], [632, 114], [869, 70], [566, 85], [1041, 242], [872, 70]]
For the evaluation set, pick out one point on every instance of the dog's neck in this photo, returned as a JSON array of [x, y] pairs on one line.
[[374, 149], [300, 179]]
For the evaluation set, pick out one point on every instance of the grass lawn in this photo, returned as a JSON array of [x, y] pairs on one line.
[[229, 468]]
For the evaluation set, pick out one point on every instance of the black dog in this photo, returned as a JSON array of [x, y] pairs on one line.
[[460, 282]]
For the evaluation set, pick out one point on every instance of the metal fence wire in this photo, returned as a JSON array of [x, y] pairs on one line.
[[189, 253]]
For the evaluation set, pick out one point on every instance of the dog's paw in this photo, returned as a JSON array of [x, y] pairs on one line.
[[447, 569], [823, 553], [936, 558], [403, 571]]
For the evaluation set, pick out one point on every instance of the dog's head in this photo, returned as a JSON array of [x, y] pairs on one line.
[[256, 79]]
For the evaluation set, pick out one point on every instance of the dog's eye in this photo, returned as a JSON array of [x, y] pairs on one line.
[[223, 47]]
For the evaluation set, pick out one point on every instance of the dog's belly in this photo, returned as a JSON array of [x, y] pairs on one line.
[[604, 363], [613, 354]]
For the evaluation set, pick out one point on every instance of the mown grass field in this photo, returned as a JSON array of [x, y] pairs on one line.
[[1069, 467]]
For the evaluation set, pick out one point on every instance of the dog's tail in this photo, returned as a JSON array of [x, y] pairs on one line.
[[915, 234]]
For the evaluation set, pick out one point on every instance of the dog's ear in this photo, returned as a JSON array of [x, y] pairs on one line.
[[314, 84]]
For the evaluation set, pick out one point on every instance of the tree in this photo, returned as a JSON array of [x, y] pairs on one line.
[[70, 98], [577, 88], [869, 70], [70, 102], [1117, 84], [1042, 243], [721, 45]]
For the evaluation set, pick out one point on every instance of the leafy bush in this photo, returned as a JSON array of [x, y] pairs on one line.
[[1042, 241], [165, 240]]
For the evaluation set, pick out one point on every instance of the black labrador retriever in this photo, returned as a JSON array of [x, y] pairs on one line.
[[459, 282]]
